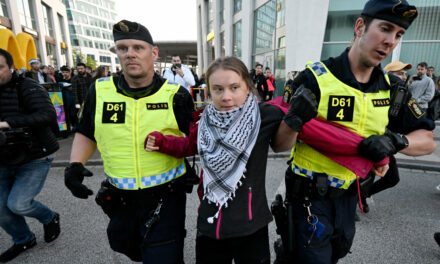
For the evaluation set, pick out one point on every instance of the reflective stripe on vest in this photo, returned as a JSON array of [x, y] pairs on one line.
[[121, 125], [363, 113]]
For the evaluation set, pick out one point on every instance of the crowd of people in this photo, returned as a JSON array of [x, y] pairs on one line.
[[343, 119]]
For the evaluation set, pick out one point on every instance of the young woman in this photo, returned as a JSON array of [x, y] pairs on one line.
[[233, 137]]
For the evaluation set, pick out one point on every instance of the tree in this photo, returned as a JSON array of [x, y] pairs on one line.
[[79, 57]]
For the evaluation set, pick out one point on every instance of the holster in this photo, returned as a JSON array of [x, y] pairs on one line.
[[108, 199]]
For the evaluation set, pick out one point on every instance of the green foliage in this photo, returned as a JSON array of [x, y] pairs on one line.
[[85, 59]]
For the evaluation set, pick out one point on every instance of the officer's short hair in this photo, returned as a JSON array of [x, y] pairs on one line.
[[7, 56]]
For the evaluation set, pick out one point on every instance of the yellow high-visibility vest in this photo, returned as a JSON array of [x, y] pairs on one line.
[[363, 113], [121, 126]]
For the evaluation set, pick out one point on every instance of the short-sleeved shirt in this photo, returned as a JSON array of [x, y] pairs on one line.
[[183, 105], [406, 121]]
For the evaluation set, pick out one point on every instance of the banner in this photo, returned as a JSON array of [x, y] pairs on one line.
[[57, 101]]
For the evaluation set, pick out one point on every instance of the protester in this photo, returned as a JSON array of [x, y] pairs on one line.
[[232, 139], [260, 82], [422, 87], [270, 84], [35, 72], [80, 85]]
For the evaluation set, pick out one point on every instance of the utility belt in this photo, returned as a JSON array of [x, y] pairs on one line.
[[111, 198], [298, 186]]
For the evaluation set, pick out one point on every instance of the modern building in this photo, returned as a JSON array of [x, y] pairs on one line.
[[284, 35], [90, 26], [45, 21]]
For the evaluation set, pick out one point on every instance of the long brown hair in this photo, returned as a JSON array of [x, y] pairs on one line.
[[233, 64]]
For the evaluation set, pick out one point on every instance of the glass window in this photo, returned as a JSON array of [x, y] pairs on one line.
[[264, 27], [237, 6], [210, 15], [3, 9], [237, 39], [222, 44], [281, 13], [280, 71], [415, 52], [63, 32], [222, 12], [48, 21], [25, 11]]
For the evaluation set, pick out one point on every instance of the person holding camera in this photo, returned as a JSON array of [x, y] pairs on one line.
[[143, 193], [179, 73], [28, 123]]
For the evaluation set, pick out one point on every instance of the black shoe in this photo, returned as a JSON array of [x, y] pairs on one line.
[[52, 229], [16, 250], [365, 204], [437, 237]]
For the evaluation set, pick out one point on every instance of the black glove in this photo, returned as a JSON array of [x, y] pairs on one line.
[[73, 178], [376, 148], [303, 107]]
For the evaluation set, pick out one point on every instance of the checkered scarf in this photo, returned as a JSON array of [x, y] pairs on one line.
[[225, 141]]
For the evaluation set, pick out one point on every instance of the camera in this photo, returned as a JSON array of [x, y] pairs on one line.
[[14, 146], [175, 66]]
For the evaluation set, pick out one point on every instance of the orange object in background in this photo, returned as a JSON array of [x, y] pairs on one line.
[[22, 47]]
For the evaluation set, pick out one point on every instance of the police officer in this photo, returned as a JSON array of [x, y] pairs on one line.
[[144, 192], [353, 91]]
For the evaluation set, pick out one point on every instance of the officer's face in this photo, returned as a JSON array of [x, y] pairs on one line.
[[5, 71], [137, 57], [376, 43], [228, 89]]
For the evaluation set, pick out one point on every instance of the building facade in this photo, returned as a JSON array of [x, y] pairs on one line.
[[284, 35], [46, 22], [90, 26]]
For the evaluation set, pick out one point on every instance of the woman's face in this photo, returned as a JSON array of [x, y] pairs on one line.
[[228, 90]]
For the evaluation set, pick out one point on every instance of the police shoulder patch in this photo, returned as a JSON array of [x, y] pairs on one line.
[[415, 108]]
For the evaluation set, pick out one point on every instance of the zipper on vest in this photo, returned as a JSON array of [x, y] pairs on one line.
[[134, 125], [250, 204], [363, 115]]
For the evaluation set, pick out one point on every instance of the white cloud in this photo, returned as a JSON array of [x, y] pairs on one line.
[[165, 19]]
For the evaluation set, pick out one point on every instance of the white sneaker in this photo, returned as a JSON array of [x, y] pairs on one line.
[[438, 188]]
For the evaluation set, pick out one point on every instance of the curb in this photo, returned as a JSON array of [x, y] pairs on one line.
[[401, 163]]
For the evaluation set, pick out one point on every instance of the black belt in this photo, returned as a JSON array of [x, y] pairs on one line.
[[149, 195], [318, 188]]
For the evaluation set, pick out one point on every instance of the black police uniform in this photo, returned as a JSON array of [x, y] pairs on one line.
[[127, 221], [337, 213]]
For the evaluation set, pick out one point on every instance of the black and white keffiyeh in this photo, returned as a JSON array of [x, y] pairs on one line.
[[225, 141]]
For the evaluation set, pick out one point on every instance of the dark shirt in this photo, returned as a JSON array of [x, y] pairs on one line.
[[183, 105], [80, 87], [235, 220], [405, 122]]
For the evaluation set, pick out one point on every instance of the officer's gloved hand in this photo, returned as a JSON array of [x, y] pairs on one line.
[[376, 148], [73, 178], [303, 107]]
